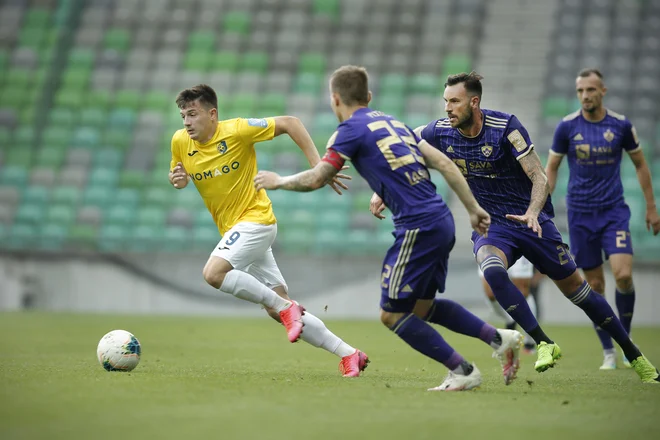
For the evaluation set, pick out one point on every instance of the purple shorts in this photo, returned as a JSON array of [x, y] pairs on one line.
[[549, 254], [599, 231], [415, 267]]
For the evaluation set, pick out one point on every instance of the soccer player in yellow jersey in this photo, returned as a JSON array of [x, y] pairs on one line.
[[219, 157]]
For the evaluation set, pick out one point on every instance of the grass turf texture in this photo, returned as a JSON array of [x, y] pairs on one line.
[[230, 378]]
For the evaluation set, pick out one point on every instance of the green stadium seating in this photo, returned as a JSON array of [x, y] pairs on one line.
[[35, 195], [455, 63], [61, 116], [254, 62], [120, 214], [312, 63], [197, 60], [556, 107], [98, 195], [86, 137], [103, 177], [202, 40], [393, 84], [117, 39], [151, 215], [273, 104], [108, 158], [66, 195], [83, 234], [97, 99], [93, 117], [308, 83], [225, 61], [128, 99], [426, 84], [158, 101], [30, 213], [132, 179], [60, 214], [19, 156], [237, 22], [121, 119], [330, 8], [51, 156]]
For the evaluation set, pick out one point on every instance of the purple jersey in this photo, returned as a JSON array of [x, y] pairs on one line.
[[384, 151], [489, 162], [594, 152]]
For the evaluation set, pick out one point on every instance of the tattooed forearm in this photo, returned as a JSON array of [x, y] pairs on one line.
[[540, 188], [309, 180]]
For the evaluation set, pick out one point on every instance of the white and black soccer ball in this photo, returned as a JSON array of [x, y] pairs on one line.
[[119, 350]]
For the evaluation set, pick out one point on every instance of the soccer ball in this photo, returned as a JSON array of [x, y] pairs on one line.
[[119, 350]]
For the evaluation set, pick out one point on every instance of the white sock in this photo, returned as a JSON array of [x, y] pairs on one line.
[[318, 335], [499, 311], [244, 286]]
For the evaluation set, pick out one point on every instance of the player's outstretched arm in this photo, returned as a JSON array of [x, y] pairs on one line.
[[531, 163], [299, 134], [552, 169], [435, 159], [178, 176], [644, 177], [305, 181]]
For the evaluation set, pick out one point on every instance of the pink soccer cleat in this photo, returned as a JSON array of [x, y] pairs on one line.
[[292, 320], [353, 364]]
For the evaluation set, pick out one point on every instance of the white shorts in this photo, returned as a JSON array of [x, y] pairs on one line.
[[247, 247], [521, 269]]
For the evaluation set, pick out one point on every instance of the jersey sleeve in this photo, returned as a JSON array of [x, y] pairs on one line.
[[426, 132], [518, 139], [560, 141], [345, 142], [630, 140], [176, 151], [254, 130]]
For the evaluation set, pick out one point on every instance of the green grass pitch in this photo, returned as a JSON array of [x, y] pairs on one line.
[[219, 378]]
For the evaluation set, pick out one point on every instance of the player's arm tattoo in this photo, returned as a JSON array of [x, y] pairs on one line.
[[311, 179], [540, 189]]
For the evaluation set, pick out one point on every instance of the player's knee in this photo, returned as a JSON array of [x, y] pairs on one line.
[[597, 285], [624, 281], [388, 319], [213, 276]]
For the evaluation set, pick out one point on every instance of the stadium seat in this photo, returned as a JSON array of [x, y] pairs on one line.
[[225, 61], [237, 22], [254, 62], [117, 39]]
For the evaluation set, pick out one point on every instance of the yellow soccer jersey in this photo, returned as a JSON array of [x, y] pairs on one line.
[[223, 170]]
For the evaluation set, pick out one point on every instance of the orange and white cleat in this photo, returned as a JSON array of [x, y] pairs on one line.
[[292, 320], [353, 364]]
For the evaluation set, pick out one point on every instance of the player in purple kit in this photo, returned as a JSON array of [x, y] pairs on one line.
[[387, 154], [594, 139], [495, 154]]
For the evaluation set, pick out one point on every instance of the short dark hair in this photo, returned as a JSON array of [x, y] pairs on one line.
[[590, 71], [471, 81], [204, 93], [352, 85]]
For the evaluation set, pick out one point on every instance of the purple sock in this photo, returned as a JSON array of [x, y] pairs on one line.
[[601, 314], [625, 304], [457, 318], [507, 294], [423, 338], [604, 337]]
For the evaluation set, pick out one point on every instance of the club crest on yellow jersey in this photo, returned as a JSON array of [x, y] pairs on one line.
[[222, 147]]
